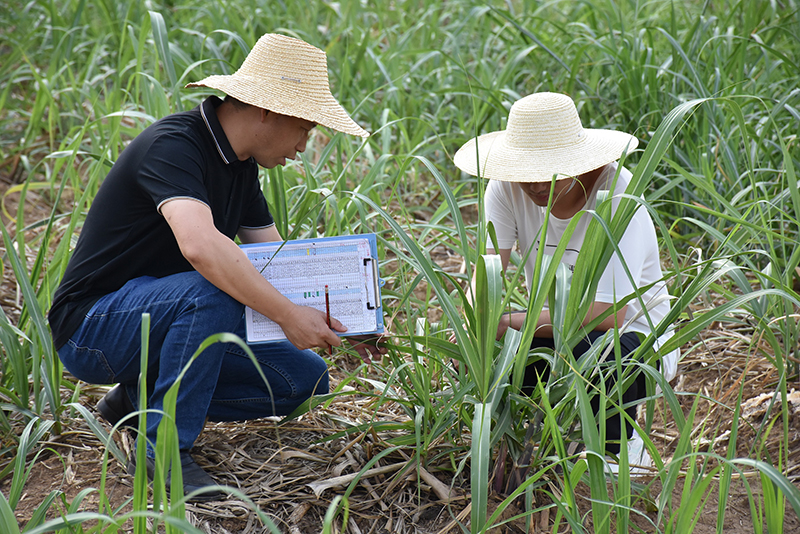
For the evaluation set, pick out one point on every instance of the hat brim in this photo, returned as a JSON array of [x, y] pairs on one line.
[[498, 161], [320, 107]]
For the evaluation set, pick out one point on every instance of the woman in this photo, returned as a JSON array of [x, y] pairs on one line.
[[545, 139]]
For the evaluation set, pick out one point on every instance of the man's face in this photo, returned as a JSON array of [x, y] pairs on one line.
[[280, 138], [539, 192]]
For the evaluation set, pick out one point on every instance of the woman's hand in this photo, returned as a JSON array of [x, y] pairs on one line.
[[371, 347], [503, 325]]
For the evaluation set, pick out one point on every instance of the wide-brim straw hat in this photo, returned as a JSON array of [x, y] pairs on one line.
[[287, 76], [544, 137]]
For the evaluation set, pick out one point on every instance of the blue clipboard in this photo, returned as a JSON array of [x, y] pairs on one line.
[[304, 270]]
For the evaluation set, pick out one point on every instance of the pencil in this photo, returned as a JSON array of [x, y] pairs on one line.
[[328, 313]]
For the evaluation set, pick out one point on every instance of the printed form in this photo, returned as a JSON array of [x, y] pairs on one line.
[[302, 269]]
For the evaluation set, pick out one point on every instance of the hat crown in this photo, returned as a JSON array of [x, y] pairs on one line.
[[287, 76], [287, 63], [543, 121], [543, 138]]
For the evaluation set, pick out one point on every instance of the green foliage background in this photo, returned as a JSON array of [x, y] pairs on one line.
[[710, 88]]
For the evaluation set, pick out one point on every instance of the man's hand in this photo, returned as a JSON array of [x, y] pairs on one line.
[[369, 346], [307, 327]]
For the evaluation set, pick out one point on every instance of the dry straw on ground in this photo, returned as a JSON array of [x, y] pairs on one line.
[[294, 471]]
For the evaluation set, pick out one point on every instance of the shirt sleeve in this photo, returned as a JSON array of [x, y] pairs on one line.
[[173, 169], [500, 213]]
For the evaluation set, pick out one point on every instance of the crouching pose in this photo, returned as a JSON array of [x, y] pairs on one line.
[[544, 138], [159, 238]]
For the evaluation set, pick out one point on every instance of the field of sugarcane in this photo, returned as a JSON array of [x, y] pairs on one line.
[[437, 437]]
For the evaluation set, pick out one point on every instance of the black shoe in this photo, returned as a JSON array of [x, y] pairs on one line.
[[194, 478], [116, 405]]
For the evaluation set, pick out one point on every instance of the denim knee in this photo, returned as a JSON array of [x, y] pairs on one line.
[[87, 364], [315, 380]]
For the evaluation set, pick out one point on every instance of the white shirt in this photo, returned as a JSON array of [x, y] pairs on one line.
[[517, 219]]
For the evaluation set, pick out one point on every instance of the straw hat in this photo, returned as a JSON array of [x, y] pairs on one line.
[[287, 76], [544, 137]]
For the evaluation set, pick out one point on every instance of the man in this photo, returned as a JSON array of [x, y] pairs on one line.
[[159, 239], [544, 138]]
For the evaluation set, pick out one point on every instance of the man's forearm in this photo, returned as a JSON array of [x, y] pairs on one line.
[[225, 265]]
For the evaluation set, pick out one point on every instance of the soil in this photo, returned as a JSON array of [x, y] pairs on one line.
[[235, 453], [280, 467]]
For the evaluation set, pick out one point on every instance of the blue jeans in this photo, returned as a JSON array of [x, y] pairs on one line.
[[222, 384]]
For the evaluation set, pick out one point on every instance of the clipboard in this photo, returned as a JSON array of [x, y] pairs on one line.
[[301, 269]]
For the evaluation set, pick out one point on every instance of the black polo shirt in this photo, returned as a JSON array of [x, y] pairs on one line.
[[184, 155]]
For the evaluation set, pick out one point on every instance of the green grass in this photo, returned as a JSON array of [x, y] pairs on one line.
[[710, 89]]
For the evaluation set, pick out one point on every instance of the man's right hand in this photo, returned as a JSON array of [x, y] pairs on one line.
[[307, 327]]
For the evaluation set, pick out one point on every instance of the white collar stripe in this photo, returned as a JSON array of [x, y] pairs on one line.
[[216, 143]]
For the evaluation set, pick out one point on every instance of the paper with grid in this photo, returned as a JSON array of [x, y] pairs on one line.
[[301, 269]]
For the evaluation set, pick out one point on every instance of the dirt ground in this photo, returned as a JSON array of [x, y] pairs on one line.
[[292, 472], [284, 471]]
